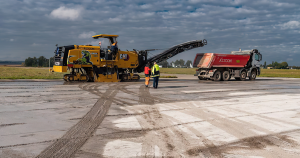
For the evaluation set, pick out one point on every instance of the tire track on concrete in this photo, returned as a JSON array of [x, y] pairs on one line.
[[144, 94], [11, 124], [77, 135], [169, 140], [254, 146], [150, 121], [117, 101]]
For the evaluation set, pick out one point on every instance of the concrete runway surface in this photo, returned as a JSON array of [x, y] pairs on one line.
[[182, 118]]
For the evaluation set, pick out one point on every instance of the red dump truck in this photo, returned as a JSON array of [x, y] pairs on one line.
[[221, 67]]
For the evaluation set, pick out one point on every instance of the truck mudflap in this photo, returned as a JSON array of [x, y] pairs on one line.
[[237, 73]]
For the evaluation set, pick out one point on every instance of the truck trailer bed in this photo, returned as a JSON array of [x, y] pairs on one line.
[[210, 60]]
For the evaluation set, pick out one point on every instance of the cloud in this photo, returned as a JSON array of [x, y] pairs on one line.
[[66, 13], [117, 19], [86, 35], [271, 26], [34, 44], [195, 1], [146, 6], [11, 40], [291, 25]]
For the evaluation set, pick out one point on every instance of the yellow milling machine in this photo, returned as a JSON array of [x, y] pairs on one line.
[[97, 64]]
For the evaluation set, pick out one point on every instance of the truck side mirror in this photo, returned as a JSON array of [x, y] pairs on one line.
[[260, 57]]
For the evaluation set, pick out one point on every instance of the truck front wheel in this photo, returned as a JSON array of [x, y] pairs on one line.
[[226, 76], [243, 75], [217, 76], [253, 75]]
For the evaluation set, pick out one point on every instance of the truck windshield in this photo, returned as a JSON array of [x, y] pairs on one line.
[[258, 57]]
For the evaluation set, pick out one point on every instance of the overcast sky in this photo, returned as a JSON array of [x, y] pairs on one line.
[[31, 28]]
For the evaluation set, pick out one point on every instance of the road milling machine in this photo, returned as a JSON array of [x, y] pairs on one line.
[[97, 64]]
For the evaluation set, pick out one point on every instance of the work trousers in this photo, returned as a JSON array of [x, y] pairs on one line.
[[155, 81], [147, 79]]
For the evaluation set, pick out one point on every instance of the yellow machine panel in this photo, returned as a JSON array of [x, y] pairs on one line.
[[79, 56], [127, 59], [60, 68], [107, 78]]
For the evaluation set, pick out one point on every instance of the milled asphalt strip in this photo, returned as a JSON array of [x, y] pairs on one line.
[[77, 135]]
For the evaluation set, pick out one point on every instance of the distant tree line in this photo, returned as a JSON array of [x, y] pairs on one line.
[[180, 63], [295, 67], [39, 62], [276, 65]]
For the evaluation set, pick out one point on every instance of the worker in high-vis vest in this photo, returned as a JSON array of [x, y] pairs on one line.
[[155, 75], [147, 72]]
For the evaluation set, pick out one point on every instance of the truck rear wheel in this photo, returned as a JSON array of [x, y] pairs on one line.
[[217, 76], [226, 76], [253, 75], [243, 75]]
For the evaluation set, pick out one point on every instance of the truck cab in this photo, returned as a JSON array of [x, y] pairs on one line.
[[254, 61], [254, 55]]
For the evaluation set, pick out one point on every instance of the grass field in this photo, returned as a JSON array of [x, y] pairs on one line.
[[28, 73], [7, 72], [188, 71], [280, 73]]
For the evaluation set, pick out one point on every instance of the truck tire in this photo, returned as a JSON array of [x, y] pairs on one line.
[[217, 76], [226, 76], [252, 75], [243, 75]]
